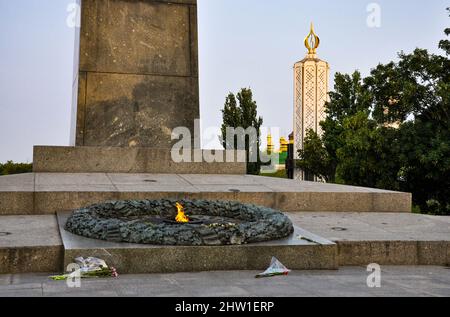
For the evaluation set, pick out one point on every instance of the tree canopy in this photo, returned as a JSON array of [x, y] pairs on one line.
[[241, 111]]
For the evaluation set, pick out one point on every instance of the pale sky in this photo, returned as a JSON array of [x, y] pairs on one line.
[[243, 43]]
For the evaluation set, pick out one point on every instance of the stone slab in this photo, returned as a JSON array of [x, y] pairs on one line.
[[17, 183], [16, 203], [144, 37], [17, 194], [34, 244], [382, 238], [149, 183], [30, 244], [397, 281], [138, 72], [48, 182], [52, 192], [295, 252], [201, 180], [137, 110], [60, 159]]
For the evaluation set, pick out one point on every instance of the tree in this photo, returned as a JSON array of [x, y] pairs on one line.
[[348, 98], [368, 154], [243, 115], [445, 44], [320, 154], [425, 157], [315, 158]]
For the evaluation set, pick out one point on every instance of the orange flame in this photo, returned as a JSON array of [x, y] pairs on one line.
[[181, 217]]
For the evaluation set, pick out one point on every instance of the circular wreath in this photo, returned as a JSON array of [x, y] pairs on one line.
[[133, 222]]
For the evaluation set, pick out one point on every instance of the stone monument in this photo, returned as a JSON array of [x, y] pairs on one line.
[[135, 81], [137, 77], [311, 76]]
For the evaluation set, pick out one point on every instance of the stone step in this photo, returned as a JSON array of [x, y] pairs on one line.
[[80, 159], [48, 193], [33, 244], [302, 251], [382, 238], [30, 244]]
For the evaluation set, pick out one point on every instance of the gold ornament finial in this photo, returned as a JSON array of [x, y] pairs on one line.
[[312, 41]]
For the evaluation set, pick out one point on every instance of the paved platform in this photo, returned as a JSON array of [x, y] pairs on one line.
[[33, 243], [383, 238], [48, 193], [429, 281]]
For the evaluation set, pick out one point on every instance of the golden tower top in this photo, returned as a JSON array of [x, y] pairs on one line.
[[312, 41]]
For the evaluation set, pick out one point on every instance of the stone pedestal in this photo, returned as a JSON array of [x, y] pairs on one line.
[[88, 159], [138, 72]]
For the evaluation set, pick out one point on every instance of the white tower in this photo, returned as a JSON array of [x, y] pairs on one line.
[[311, 76]]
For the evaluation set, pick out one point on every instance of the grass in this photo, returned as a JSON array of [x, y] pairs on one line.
[[278, 174]]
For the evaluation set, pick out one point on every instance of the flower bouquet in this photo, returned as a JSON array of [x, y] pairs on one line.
[[89, 268], [276, 268]]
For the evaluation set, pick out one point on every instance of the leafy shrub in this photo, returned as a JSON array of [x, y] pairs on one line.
[[11, 168]]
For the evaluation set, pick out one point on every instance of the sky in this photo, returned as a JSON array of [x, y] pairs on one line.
[[242, 43]]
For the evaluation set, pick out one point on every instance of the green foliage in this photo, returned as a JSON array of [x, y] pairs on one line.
[[416, 209], [390, 130], [445, 44], [367, 155], [240, 111], [316, 159], [435, 207], [10, 168], [348, 98], [425, 158], [277, 174]]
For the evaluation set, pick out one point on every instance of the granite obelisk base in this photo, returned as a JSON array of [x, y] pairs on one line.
[[138, 72]]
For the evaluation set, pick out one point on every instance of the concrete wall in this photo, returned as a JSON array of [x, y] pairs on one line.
[[138, 72]]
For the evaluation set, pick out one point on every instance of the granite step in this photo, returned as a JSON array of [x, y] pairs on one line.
[[302, 251], [30, 244], [33, 244], [382, 238], [86, 159], [48, 193]]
